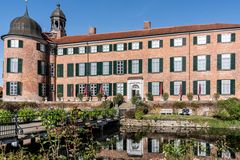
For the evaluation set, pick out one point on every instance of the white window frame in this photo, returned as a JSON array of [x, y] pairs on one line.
[[60, 51], [93, 89], [203, 87], [155, 145], [81, 69], [14, 43], [202, 63], [105, 69], [93, 69], [155, 65], [42, 47], [155, 44], [120, 88], [106, 48], [14, 65], [155, 88], [120, 47], [135, 66], [178, 61], [106, 89], [52, 88], [82, 50], [178, 42], [93, 49], [226, 61], [226, 87], [52, 69], [135, 45], [13, 88], [226, 37], [176, 87], [43, 89], [81, 88], [120, 67], [202, 39], [70, 51], [202, 149]]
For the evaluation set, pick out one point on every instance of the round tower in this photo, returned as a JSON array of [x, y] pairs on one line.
[[24, 61]]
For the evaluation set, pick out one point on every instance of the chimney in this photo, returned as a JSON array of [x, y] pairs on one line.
[[147, 25], [92, 30]]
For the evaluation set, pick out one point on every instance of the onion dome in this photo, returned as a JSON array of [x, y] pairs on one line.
[[25, 26], [58, 13]]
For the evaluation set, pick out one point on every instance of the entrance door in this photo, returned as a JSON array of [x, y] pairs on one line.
[[135, 90], [135, 87]]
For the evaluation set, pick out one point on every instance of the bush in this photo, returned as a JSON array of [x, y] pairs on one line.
[[51, 117], [179, 105], [130, 114], [216, 96], [26, 115], [5, 116], [190, 96], [230, 106], [135, 99], [223, 114], [80, 96], [165, 96], [107, 104], [99, 96], [149, 96], [139, 113], [118, 99]]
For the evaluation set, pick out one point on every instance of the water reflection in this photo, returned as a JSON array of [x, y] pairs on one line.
[[152, 145]]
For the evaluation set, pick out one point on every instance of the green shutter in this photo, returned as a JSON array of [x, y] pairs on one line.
[[150, 87], [140, 45], [233, 37], [60, 70], [110, 68], [99, 48], [114, 89], [219, 61], [114, 67], [99, 68], [183, 64], [219, 38], [195, 40], [129, 46], [98, 87], [115, 47], [171, 42], [172, 64], [140, 65], [20, 44], [75, 50], [124, 89], [77, 69], [87, 49], [149, 44], [125, 46], [40, 89], [9, 43], [19, 88], [39, 67], [110, 89], [233, 87], [110, 47], [208, 39], [184, 41], [184, 87], [20, 63], [233, 61], [219, 86], [125, 66], [38, 46], [8, 88], [149, 65], [195, 63], [161, 65], [161, 43], [171, 88], [65, 50], [70, 69], [208, 67], [208, 87], [70, 90], [77, 89], [129, 66], [60, 89], [87, 69], [195, 87], [8, 65]]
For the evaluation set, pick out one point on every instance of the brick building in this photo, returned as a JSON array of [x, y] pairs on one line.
[[202, 59]]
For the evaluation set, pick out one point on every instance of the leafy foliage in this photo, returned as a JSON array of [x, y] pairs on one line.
[[118, 99], [149, 96], [26, 115], [165, 96], [228, 109], [5, 116]]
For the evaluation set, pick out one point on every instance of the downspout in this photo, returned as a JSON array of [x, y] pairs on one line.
[[189, 63]]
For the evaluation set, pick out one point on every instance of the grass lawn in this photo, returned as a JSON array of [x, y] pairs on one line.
[[211, 121]]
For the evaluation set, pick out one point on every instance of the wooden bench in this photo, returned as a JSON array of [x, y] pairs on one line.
[[166, 111]]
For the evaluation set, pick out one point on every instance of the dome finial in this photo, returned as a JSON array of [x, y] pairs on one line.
[[26, 12]]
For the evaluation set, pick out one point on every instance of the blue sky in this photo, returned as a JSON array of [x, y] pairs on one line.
[[120, 15]]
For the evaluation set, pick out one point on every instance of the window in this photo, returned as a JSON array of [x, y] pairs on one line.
[[59, 70], [81, 88], [13, 88], [155, 65], [177, 86], [106, 89], [202, 39], [52, 88], [14, 65], [201, 63], [135, 66], [60, 51], [120, 47], [178, 42], [155, 145], [201, 149], [42, 89], [81, 69], [41, 67], [42, 48], [201, 86], [155, 44], [155, 88], [135, 45], [177, 63], [52, 70], [120, 87], [226, 37], [105, 68], [70, 51], [120, 67], [93, 69], [82, 50], [226, 87], [106, 48], [15, 43], [93, 49], [226, 61], [93, 89]]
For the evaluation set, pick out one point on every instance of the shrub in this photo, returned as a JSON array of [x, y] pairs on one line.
[[26, 115], [179, 105], [118, 99], [51, 117], [232, 107], [149, 96], [107, 104], [99, 96], [165, 96], [190, 96], [5, 116], [139, 113], [216, 96], [130, 114], [194, 105], [223, 114], [80, 96], [135, 99]]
